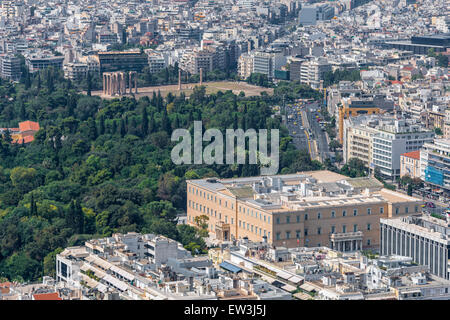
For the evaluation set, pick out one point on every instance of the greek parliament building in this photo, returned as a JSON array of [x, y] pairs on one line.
[[319, 208], [423, 238]]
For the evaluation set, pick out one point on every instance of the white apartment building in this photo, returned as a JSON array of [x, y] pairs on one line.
[[394, 138], [40, 62], [246, 4], [156, 62], [10, 67], [10, 8], [267, 62], [309, 15], [262, 63], [312, 72], [380, 140], [75, 71]]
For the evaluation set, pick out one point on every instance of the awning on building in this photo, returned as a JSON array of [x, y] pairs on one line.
[[295, 279], [289, 288], [284, 275], [88, 281], [99, 262], [230, 267], [116, 282], [102, 288], [123, 273], [308, 287]]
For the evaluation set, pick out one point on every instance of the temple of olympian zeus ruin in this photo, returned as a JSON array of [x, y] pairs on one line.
[[115, 83], [179, 78]]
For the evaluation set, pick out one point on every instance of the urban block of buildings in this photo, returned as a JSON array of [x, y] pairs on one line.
[[133, 266]]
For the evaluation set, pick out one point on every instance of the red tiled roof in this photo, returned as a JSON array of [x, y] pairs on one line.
[[412, 154], [47, 296], [5, 284], [28, 126]]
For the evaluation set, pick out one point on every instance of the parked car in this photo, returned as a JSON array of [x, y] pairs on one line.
[[430, 205]]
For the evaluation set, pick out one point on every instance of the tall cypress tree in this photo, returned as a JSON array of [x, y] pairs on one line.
[[50, 85], [154, 100], [159, 101], [165, 123], [33, 207], [114, 127], [152, 125], [23, 112], [70, 215], [79, 215], [39, 81], [243, 123], [144, 122], [75, 217], [89, 84], [123, 130], [27, 79], [177, 122], [71, 104], [102, 125], [92, 129]]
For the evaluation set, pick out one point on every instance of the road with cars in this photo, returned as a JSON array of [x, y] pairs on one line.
[[297, 126], [303, 123], [320, 137]]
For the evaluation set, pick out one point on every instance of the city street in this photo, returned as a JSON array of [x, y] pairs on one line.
[[319, 135], [306, 131], [297, 127]]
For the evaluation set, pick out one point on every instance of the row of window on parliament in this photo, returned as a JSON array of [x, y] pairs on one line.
[[265, 218]]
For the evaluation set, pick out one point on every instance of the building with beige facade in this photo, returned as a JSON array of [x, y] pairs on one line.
[[209, 58], [446, 129], [410, 164], [358, 143], [245, 66], [319, 208]]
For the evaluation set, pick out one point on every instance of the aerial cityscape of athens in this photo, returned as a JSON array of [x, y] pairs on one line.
[[234, 150]]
